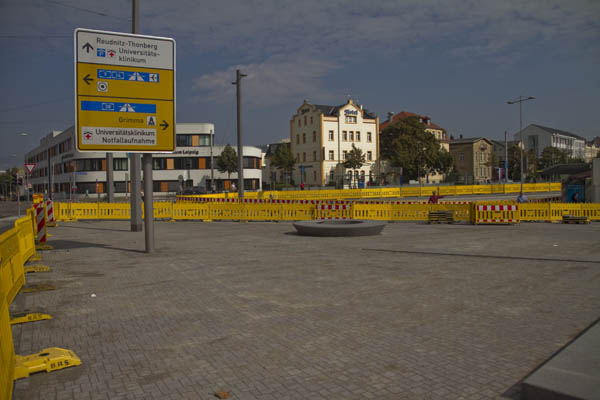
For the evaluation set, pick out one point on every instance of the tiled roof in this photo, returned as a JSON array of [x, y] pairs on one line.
[[468, 140], [405, 114]]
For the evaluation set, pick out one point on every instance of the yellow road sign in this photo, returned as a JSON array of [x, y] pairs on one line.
[[124, 92]]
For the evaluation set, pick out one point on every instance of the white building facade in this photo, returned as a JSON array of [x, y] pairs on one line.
[[539, 137], [62, 170], [322, 136]]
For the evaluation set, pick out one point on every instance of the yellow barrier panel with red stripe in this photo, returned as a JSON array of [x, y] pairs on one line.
[[495, 214]]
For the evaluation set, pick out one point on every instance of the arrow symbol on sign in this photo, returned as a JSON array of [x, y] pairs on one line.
[[164, 125], [88, 47], [87, 79]]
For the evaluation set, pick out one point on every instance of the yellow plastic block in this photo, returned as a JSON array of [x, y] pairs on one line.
[[50, 359], [30, 317], [37, 288], [36, 268]]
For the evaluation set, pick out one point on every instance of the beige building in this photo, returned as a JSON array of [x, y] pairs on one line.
[[471, 157], [591, 151], [437, 131], [321, 137]]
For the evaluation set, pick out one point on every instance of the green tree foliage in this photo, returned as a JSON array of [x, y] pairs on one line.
[[284, 159], [553, 156], [514, 162], [354, 159], [227, 161], [406, 144]]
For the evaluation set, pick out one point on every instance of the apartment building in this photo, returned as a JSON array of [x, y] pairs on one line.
[[321, 137], [538, 137], [471, 159]]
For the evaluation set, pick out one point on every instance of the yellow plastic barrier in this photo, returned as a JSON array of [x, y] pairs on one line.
[[537, 212], [7, 349], [37, 198], [25, 229], [494, 214], [591, 210], [114, 211], [512, 188], [12, 275], [558, 210]]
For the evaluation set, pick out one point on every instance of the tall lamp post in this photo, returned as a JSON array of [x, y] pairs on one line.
[[520, 100]]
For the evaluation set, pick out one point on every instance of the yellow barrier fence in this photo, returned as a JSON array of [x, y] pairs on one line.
[[7, 349], [377, 193], [295, 210]]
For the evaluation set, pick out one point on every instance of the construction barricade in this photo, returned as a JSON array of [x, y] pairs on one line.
[[534, 212], [17, 245], [559, 210], [494, 214]]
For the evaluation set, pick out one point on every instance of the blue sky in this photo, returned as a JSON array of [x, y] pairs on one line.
[[456, 61]]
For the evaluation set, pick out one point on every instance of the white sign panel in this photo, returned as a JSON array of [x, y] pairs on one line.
[[117, 49]]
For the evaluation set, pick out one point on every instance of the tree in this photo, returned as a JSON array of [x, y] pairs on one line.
[[284, 159], [552, 156], [354, 159], [227, 161], [406, 144], [514, 162]]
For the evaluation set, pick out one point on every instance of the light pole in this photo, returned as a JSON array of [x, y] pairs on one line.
[[520, 100]]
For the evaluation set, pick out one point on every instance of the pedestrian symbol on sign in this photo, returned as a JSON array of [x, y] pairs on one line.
[[101, 52], [151, 121]]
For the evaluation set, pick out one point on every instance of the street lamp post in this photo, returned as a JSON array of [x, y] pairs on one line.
[[520, 100]]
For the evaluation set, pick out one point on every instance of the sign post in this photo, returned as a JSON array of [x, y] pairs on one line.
[[125, 97]]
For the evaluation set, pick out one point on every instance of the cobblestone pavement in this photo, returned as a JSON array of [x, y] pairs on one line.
[[420, 312]]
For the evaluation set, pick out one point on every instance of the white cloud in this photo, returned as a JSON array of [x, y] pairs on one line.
[[275, 80]]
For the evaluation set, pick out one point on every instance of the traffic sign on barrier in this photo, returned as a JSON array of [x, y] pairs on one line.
[[124, 92]]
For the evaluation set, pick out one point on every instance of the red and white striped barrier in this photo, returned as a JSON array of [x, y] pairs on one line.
[[50, 212], [498, 208], [498, 221], [40, 212]]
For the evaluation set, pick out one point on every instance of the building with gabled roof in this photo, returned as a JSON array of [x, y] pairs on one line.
[[472, 157], [321, 137], [538, 137]]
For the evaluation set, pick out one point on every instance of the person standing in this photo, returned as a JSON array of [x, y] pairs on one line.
[[521, 198], [433, 199]]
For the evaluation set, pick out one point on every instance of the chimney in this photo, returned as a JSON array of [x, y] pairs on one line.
[[460, 136], [390, 115]]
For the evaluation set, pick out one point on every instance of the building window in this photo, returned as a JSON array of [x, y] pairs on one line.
[[331, 176], [89, 164], [344, 136], [358, 136], [299, 123], [345, 154], [314, 135], [311, 120], [184, 140], [331, 137], [369, 137], [369, 156], [305, 120], [304, 138], [351, 136], [297, 139], [350, 119], [461, 156], [331, 155], [314, 156], [120, 164], [315, 176], [297, 157], [303, 157], [185, 163], [159, 163]]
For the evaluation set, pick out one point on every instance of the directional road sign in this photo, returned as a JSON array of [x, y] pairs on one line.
[[124, 92]]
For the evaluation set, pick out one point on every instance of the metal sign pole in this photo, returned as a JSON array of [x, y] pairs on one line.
[[148, 203], [134, 160]]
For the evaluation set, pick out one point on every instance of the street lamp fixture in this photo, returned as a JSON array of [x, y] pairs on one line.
[[520, 100]]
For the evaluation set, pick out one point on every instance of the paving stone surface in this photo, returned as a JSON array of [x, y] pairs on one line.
[[419, 312]]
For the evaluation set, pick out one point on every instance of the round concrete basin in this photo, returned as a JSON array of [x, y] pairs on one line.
[[339, 228]]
